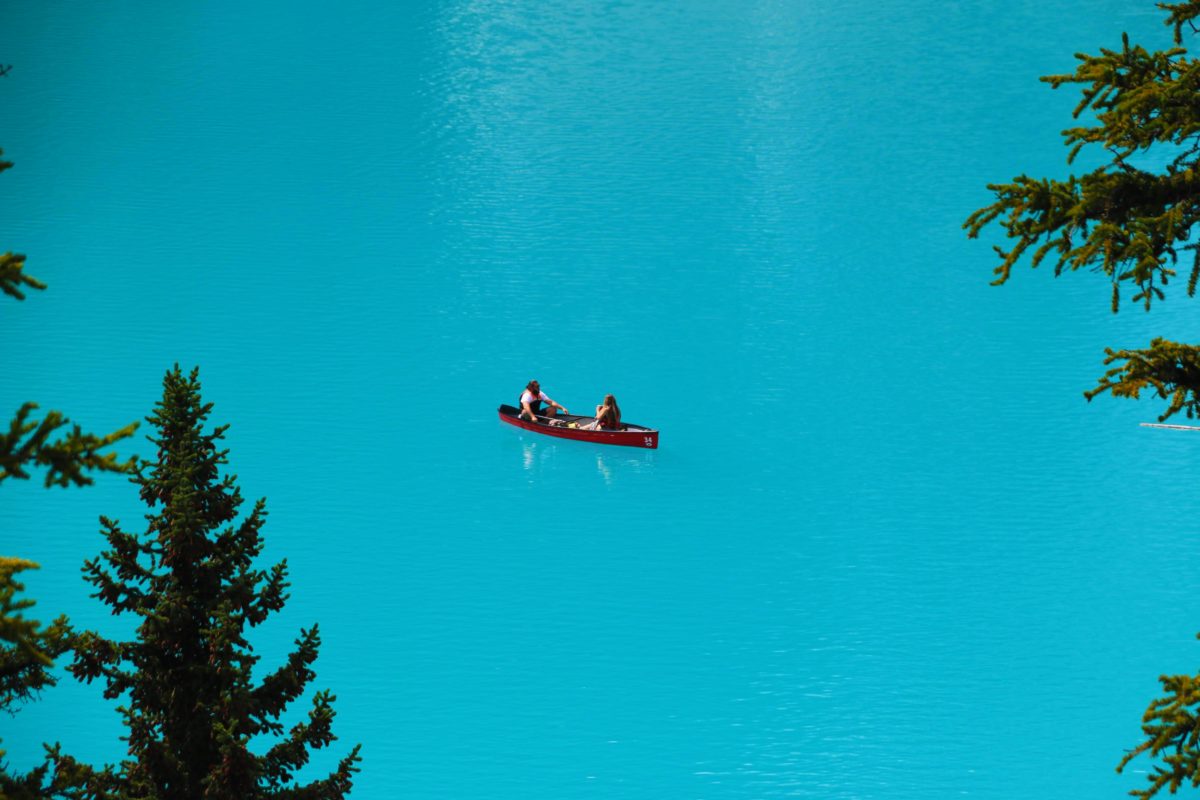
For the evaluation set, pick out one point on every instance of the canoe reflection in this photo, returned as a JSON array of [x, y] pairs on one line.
[[538, 456]]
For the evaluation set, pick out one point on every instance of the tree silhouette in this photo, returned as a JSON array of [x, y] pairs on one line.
[[191, 707]]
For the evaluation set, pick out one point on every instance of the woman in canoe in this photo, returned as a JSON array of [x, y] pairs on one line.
[[608, 415]]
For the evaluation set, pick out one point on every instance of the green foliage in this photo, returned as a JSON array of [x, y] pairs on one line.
[[11, 265], [12, 277], [1172, 728], [29, 442], [1133, 225], [192, 709], [26, 649], [1171, 370], [1129, 223], [26, 653], [29, 648]]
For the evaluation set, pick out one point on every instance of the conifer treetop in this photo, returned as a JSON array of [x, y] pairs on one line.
[[193, 712]]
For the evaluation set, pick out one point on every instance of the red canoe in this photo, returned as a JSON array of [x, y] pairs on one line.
[[570, 426]]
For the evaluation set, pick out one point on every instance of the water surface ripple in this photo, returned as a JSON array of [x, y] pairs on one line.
[[885, 549]]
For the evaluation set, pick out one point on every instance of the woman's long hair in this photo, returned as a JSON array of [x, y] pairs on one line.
[[612, 412]]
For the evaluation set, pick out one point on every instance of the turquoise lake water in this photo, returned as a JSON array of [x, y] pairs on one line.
[[885, 549]]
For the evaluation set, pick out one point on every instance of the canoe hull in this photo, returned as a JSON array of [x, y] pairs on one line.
[[632, 436]]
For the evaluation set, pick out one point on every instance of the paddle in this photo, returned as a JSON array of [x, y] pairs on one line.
[[1169, 427]]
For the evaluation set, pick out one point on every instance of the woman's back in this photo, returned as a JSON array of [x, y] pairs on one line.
[[609, 414]]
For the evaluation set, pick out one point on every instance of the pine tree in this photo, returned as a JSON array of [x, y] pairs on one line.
[[191, 708], [1130, 223]]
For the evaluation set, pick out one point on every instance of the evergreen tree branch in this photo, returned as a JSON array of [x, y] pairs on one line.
[[12, 265], [289, 756], [26, 648], [1169, 369], [281, 687], [26, 653], [1132, 225], [28, 440], [73, 780], [270, 596], [28, 443], [13, 278], [1126, 222], [333, 787], [95, 657], [1181, 14], [1172, 729]]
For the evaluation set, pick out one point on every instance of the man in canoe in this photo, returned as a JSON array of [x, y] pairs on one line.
[[531, 403]]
